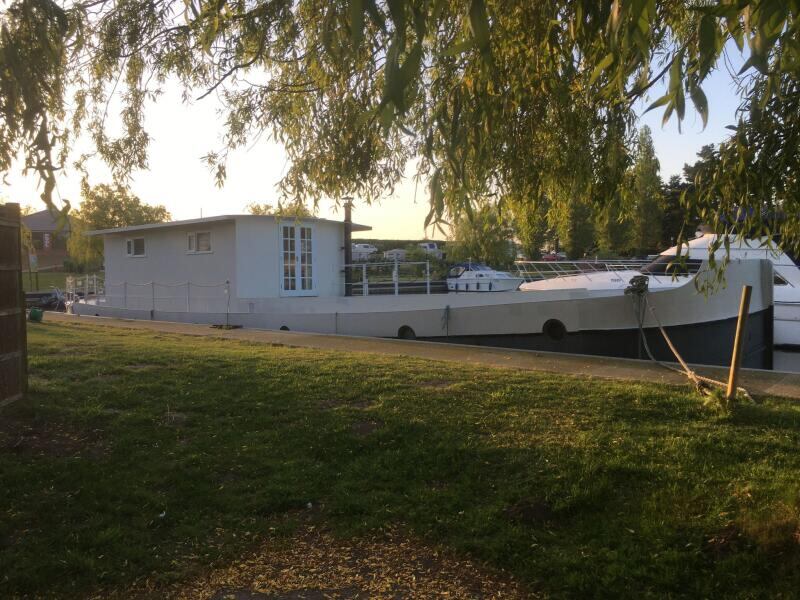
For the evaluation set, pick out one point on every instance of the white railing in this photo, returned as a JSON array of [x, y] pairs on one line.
[[185, 296], [83, 286], [395, 277], [536, 270]]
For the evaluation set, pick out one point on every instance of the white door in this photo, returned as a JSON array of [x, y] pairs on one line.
[[297, 260]]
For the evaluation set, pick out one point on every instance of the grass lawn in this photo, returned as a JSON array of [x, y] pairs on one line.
[[47, 280], [144, 457]]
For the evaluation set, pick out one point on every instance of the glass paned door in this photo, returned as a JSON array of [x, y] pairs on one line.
[[297, 260], [306, 266]]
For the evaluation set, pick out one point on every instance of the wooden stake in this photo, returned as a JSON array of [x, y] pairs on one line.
[[738, 342]]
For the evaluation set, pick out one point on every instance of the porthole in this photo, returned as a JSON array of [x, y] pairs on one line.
[[406, 333], [554, 329]]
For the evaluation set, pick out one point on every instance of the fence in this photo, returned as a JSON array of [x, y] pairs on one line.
[[13, 342], [168, 297], [396, 277], [83, 286]]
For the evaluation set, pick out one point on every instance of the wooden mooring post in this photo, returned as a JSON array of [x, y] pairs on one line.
[[13, 340], [738, 341]]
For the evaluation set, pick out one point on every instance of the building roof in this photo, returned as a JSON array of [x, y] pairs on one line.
[[220, 218], [46, 221]]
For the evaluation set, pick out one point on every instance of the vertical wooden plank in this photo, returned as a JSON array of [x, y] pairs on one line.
[[13, 339]]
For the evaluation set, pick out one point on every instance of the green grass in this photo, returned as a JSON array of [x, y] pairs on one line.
[[156, 456], [47, 280]]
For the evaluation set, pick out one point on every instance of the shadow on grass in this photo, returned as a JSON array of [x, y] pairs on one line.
[[576, 487]]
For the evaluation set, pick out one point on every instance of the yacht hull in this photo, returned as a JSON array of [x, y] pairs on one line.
[[579, 320]]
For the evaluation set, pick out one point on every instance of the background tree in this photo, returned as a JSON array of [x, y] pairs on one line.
[[104, 207], [292, 209], [486, 236], [673, 219], [530, 224], [614, 228], [645, 195], [485, 96]]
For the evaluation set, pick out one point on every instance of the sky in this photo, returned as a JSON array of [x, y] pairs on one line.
[[182, 134]]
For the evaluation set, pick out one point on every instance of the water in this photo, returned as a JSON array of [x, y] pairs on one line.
[[786, 361]]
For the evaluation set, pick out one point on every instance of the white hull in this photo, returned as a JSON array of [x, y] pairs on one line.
[[498, 317]]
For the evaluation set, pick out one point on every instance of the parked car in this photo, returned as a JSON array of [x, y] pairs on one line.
[[398, 254], [362, 252], [432, 249]]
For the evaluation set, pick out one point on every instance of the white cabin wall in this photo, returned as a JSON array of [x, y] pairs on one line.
[[166, 259], [329, 258], [258, 251], [258, 257]]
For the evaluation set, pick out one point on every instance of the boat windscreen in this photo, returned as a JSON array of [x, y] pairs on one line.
[[670, 265], [455, 272]]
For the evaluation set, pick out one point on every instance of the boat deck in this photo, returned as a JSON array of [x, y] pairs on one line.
[[762, 383]]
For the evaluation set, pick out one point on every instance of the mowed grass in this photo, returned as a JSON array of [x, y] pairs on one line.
[[47, 280], [148, 458]]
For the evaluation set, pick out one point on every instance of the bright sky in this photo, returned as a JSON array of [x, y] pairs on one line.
[[182, 134]]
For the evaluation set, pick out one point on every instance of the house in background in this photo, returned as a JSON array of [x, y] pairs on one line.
[[49, 239]]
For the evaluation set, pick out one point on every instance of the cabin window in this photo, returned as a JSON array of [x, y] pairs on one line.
[[297, 260], [134, 247], [778, 280], [198, 242]]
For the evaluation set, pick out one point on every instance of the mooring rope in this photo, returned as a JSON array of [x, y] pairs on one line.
[[639, 288]]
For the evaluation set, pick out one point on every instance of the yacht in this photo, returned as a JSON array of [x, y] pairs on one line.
[[664, 272], [476, 277]]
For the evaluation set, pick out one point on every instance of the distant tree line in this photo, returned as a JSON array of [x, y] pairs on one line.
[[645, 216]]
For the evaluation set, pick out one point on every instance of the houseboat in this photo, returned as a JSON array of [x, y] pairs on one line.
[[292, 274]]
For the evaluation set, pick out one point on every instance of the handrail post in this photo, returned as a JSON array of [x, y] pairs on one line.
[[153, 296], [86, 287], [396, 277], [738, 341], [124, 294], [188, 296], [428, 277], [364, 284]]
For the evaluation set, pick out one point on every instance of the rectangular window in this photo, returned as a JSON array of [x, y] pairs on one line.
[[134, 247], [297, 260], [198, 242]]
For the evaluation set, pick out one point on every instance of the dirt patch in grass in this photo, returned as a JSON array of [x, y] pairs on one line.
[[314, 564], [356, 403], [175, 419], [438, 384], [364, 428], [40, 438], [725, 542], [530, 511]]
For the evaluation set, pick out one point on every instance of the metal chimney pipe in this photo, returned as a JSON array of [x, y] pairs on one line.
[[348, 246]]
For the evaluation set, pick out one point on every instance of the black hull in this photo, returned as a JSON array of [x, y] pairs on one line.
[[709, 343]]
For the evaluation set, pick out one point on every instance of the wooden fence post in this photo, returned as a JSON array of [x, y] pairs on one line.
[[13, 334], [738, 341]]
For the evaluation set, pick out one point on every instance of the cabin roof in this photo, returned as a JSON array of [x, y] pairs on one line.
[[217, 219]]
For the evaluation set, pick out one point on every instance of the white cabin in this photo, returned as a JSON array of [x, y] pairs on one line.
[[231, 258]]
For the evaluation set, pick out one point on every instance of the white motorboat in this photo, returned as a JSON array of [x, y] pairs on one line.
[[476, 277], [663, 274]]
